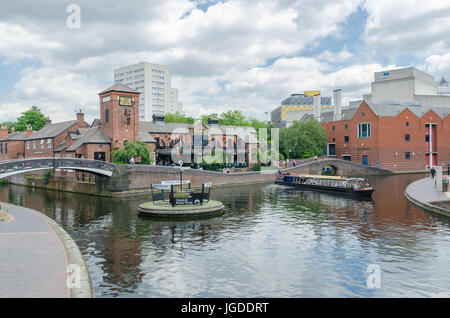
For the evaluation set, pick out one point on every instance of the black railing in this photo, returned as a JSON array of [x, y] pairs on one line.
[[54, 163]]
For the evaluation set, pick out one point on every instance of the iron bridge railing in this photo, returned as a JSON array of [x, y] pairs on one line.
[[55, 163]]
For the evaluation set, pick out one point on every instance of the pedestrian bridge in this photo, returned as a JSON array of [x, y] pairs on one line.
[[13, 167]]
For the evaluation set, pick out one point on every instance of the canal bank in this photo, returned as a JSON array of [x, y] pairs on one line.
[[129, 180], [423, 194], [39, 258]]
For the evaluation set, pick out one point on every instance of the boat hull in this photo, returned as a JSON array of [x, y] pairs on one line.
[[346, 191]]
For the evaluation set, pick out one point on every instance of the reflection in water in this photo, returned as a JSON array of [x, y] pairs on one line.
[[273, 241]]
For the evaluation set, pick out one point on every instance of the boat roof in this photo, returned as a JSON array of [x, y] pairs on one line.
[[325, 177]]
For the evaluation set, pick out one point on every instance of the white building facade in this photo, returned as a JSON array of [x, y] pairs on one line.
[[406, 86], [153, 81]]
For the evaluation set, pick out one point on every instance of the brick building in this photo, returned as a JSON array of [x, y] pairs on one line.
[[393, 137], [118, 124]]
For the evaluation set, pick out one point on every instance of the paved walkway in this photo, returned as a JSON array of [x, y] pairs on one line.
[[423, 193], [33, 260]]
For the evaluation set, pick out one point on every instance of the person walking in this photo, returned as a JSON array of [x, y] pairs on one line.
[[131, 160], [432, 172]]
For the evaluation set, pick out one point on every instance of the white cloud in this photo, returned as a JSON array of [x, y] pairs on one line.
[[438, 65], [408, 26]]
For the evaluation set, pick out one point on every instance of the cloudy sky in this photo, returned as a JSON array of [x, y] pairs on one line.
[[247, 55]]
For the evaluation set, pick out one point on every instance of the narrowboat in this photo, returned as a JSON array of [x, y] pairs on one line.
[[342, 185]]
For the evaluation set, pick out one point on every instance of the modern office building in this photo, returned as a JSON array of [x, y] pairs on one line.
[[153, 81], [296, 106], [406, 86]]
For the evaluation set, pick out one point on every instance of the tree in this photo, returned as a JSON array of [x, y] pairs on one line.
[[8, 124], [33, 117], [233, 118], [303, 140], [178, 118], [133, 149]]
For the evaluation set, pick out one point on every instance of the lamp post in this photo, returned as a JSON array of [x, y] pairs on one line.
[[181, 174]]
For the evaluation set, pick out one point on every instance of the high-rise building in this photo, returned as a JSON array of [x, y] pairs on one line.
[[153, 81]]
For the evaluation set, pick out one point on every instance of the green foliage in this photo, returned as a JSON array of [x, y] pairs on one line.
[[9, 125], [256, 167], [303, 140], [33, 117], [132, 149], [48, 176], [178, 118], [233, 118]]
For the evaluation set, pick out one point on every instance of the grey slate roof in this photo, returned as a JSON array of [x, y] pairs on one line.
[[151, 127], [52, 130], [383, 110], [89, 136], [21, 135], [119, 87]]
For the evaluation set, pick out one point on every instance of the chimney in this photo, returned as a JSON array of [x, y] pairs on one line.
[[80, 116], [337, 104], [29, 131], [3, 132], [213, 121], [317, 107], [48, 121]]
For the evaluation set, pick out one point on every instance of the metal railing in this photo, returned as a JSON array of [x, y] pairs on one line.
[[24, 165]]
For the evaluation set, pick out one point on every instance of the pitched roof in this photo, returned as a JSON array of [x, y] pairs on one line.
[[20, 135], [383, 110], [119, 87], [52, 130], [89, 136]]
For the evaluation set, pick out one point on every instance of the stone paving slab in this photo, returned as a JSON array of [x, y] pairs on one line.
[[33, 261], [423, 190], [423, 194]]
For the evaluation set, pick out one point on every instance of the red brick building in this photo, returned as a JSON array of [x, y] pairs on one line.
[[393, 137], [118, 124]]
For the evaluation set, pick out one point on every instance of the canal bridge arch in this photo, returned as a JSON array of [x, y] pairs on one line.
[[341, 167], [14, 167]]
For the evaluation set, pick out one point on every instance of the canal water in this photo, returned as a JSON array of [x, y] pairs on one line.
[[273, 241]]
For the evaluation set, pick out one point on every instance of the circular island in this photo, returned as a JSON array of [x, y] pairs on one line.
[[165, 210]]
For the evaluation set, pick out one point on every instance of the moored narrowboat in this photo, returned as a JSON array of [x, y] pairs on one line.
[[337, 184]]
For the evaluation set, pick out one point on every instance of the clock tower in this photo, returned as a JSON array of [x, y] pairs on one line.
[[119, 114]]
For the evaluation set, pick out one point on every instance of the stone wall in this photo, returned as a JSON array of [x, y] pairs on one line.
[[136, 178]]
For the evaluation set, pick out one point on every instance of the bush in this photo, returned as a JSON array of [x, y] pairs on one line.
[[48, 176]]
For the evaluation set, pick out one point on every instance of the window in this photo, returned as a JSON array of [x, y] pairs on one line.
[[334, 139], [34, 144], [364, 130], [49, 143], [28, 145], [6, 148], [407, 138], [407, 155], [346, 127], [107, 115], [42, 143], [346, 139], [407, 124], [427, 138], [334, 128], [1, 148]]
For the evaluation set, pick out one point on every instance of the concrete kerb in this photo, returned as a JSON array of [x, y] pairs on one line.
[[73, 254], [74, 257], [427, 206]]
